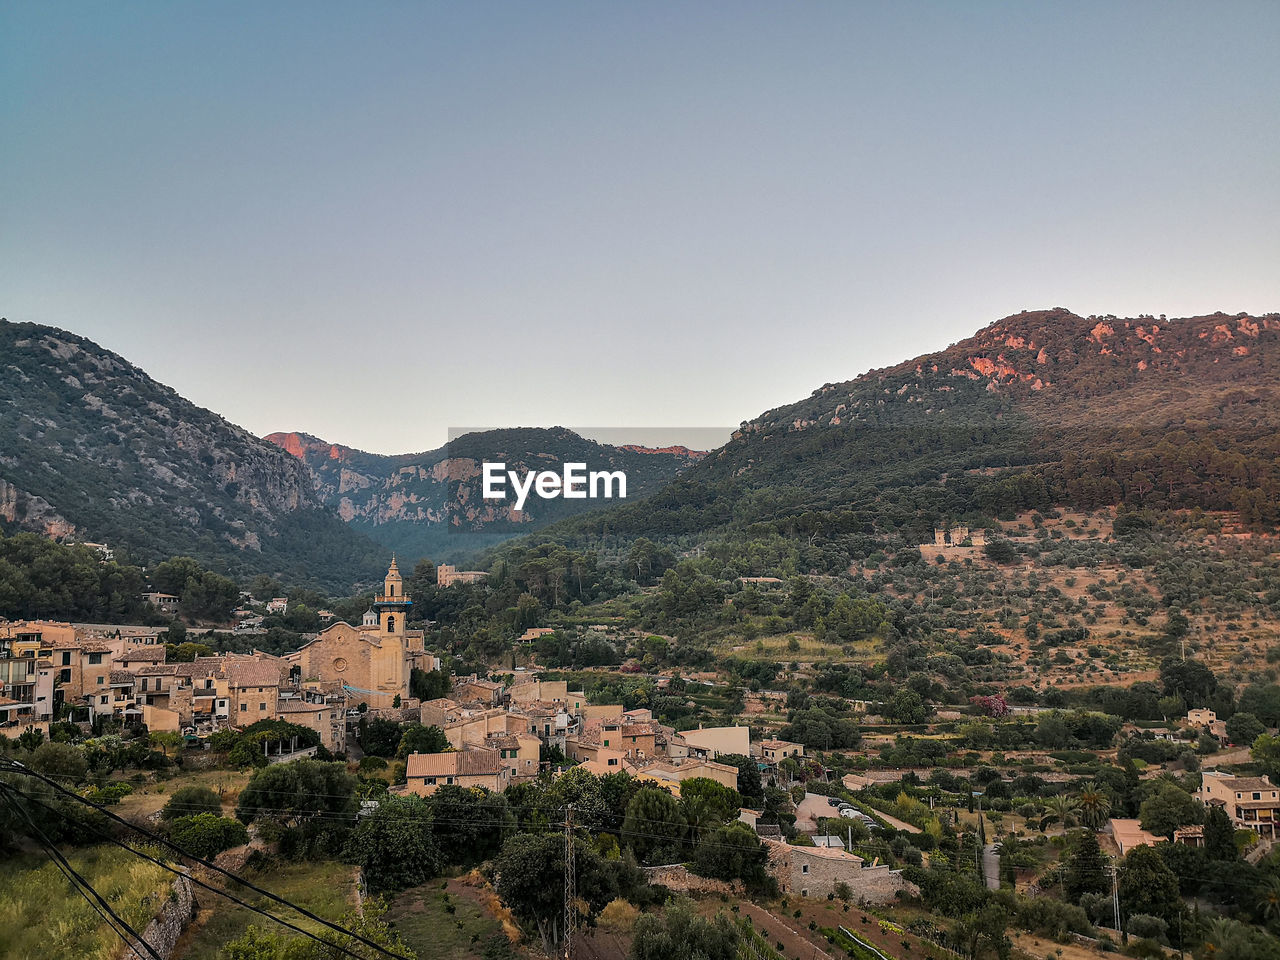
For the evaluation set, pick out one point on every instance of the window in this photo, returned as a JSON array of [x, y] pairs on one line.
[[804, 892], [244, 707], [100, 679], [606, 743], [102, 699], [391, 624], [144, 684], [66, 658], [95, 658], [65, 676], [1257, 796], [262, 706], [804, 868]]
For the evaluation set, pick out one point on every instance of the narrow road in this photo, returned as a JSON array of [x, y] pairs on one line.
[[991, 866]]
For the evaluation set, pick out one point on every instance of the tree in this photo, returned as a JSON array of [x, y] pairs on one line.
[[422, 739], [1000, 551], [63, 761], [1063, 809], [190, 801], [1086, 869], [679, 933], [1169, 808], [471, 823], [1266, 751], [1189, 679], [395, 845], [1147, 885], [1094, 806], [1219, 836], [749, 785], [530, 880], [653, 825], [428, 684], [378, 737], [985, 928], [735, 852], [907, 706], [297, 791], [206, 835], [712, 802], [1244, 728]]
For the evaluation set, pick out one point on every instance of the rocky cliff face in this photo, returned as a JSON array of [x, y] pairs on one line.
[[92, 446], [408, 501], [1061, 355]]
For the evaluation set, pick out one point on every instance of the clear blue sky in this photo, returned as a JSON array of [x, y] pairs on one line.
[[374, 221]]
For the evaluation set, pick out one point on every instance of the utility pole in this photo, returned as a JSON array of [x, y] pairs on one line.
[[570, 884], [1115, 895]]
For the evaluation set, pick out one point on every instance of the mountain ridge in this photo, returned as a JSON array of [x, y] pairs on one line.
[[91, 447], [1036, 408], [412, 502]]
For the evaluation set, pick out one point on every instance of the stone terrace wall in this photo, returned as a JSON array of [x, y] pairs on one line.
[[163, 932]]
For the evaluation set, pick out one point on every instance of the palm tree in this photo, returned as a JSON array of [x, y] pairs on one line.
[[1063, 810], [1094, 806], [1222, 938], [1269, 899], [701, 816]]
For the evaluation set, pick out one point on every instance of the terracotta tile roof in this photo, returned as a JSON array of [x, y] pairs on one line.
[[1243, 784], [251, 673], [301, 706], [465, 763], [121, 676]]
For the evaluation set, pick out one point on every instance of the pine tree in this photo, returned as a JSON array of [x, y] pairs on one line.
[[1086, 868], [1219, 836]]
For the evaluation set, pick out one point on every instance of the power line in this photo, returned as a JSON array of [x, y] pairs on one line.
[[118, 924], [196, 880], [19, 768]]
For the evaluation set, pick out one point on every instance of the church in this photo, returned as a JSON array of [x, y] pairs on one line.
[[373, 662]]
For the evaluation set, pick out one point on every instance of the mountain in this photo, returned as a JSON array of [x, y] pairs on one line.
[[432, 503], [1040, 408], [91, 448]]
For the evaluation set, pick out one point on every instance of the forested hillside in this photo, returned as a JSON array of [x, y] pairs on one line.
[[1037, 409]]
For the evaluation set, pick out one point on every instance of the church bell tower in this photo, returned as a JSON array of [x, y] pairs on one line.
[[392, 606]]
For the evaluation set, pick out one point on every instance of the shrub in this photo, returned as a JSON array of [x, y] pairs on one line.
[[190, 802], [207, 835]]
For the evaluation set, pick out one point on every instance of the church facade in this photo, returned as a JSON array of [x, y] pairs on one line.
[[373, 662]]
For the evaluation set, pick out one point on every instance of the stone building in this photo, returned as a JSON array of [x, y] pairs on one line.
[[372, 662], [425, 773], [448, 575], [815, 872]]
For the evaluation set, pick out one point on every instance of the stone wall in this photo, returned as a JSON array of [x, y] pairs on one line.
[[677, 877], [163, 932]]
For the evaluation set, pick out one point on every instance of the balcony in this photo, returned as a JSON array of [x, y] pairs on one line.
[[380, 598]]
